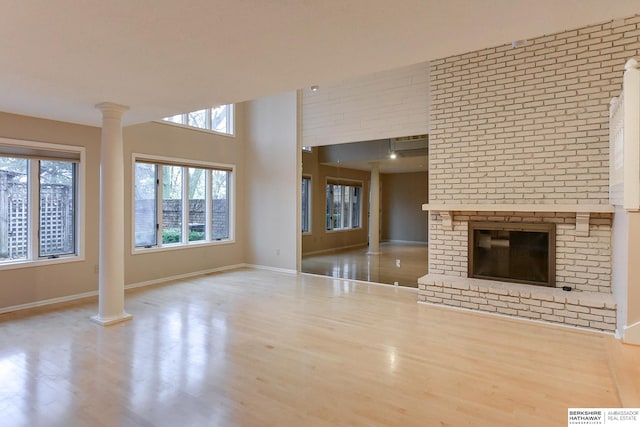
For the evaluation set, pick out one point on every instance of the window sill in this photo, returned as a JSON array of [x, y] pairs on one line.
[[40, 262], [209, 131], [192, 245], [342, 230]]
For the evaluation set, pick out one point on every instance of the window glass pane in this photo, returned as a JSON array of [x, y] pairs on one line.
[[197, 204], [337, 207], [222, 119], [171, 204], [57, 208], [346, 207], [306, 203], [355, 213], [145, 205], [14, 209], [197, 119], [178, 118], [329, 206], [220, 204]]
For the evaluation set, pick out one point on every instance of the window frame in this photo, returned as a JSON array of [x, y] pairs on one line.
[[36, 151], [352, 184], [186, 164], [309, 205], [208, 121]]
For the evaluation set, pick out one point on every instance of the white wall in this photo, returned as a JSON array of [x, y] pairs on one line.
[[271, 176], [377, 106]]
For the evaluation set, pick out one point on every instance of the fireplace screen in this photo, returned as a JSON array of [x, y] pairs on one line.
[[512, 252]]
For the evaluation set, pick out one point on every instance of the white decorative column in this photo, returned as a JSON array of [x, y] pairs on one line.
[[111, 269], [374, 210]]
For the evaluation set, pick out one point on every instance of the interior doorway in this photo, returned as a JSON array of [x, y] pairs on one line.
[[336, 194]]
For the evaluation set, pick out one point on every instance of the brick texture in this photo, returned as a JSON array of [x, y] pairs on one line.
[[581, 309], [584, 263], [528, 124]]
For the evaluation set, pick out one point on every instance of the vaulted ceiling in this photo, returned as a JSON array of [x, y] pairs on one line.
[[59, 58]]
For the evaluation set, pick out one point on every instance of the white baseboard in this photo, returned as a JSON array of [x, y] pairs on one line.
[[74, 297], [266, 267], [48, 302], [183, 276]]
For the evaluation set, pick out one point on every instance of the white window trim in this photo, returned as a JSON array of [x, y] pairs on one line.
[[209, 131], [80, 205], [183, 162], [309, 205], [208, 120], [353, 183]]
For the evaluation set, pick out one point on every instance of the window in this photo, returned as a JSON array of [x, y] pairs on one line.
[[306, 204], [220, 204], [343, 205], [306, 148], [180, 203], [217, 119], [39, 206]]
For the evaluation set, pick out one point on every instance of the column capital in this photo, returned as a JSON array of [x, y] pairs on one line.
[[111, 109]]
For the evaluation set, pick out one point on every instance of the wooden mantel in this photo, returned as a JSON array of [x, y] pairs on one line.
[[582, 212]]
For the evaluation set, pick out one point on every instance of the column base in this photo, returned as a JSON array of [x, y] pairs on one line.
[[106, 321]]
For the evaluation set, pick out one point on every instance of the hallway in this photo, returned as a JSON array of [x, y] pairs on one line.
[[403, 263]]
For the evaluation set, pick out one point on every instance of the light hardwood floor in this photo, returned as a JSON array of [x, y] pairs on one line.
[[401, 263], [260, 348]]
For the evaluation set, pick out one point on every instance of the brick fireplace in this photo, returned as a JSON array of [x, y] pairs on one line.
[[519, 252], [582, 258], [521, 135]]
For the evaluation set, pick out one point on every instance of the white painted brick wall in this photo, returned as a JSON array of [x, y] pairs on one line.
[[584, 263], [382, 105], [528, 124], [591, 310]]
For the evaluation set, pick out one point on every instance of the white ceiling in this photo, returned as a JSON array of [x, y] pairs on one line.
[[59, 58]]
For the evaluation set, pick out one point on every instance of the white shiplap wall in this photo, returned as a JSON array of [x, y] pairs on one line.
[[381, 105]]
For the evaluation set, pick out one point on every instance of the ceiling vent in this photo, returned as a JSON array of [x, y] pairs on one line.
[[415, 145]]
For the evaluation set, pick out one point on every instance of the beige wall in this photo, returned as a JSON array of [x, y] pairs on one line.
[[633, 286], [264, 152], [271, 177], [402, 216], [626, 273], [190, 144], [319, 239], [27, 285]]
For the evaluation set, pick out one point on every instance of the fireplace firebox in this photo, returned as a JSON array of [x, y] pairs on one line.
[[513, 252]]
